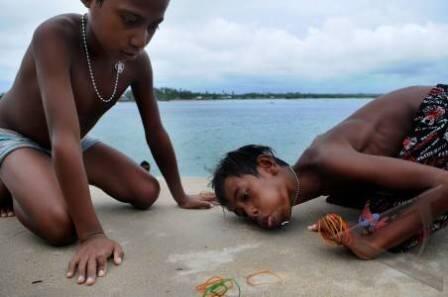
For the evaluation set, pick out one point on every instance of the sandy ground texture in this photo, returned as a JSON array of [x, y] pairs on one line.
[[170, 250]]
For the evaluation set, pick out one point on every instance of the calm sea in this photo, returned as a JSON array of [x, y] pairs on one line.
[[203, 131]]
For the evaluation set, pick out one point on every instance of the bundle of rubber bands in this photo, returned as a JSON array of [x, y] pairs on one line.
[[334, 229], [217, 286]]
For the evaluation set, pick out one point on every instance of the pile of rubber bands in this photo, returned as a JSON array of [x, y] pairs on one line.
[[218, 286], [334, 229]]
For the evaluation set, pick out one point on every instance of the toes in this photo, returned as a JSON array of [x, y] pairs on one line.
[[4, 213]]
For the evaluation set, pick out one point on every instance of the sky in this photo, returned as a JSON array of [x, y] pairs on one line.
[[369, 46]]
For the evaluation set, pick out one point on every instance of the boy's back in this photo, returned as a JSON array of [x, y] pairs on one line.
[[379, 127]]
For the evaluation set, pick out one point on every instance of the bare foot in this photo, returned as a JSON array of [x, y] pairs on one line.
[[6, 208]]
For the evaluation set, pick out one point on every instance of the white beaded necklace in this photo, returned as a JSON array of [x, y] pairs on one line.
[[119, 66], [296, 194]]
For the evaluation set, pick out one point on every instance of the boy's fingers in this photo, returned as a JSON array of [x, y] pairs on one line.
[[208, 198], [102, 266], [207, 195], [71, 268], [118, 254], [82, 271], [312, 228], [205, 205], [91, 271]]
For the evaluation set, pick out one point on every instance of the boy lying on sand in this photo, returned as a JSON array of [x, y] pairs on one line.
[[394, 150]]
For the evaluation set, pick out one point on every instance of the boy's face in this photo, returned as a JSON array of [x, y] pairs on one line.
[[264, 199], [124, 27]]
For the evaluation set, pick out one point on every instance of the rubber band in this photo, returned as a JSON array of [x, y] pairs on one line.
[[334, 229], [202, 287], [251, 282], [217, 286]]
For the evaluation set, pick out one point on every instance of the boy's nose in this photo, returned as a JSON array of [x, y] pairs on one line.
[[253, 213], [139, 39]]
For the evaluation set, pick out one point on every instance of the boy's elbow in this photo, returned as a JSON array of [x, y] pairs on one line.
[[157, 136]]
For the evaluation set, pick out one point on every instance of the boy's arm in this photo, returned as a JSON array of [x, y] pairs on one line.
[[158, 139], [419, 215], [340, 161], [391, 173], [52, 57], [53, 66]]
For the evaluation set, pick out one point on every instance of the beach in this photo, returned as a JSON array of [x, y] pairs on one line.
[[170, 250]]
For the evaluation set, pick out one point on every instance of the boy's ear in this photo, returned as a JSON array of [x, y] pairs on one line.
[[268, 164]]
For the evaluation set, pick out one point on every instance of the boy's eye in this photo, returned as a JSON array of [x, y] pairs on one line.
[[244, 197], [129, 19]]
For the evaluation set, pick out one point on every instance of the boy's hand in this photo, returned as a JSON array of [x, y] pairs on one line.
[[91, 258], [204, 200], [362, 246]]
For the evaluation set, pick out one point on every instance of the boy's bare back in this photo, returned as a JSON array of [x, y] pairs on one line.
[[380, 126]]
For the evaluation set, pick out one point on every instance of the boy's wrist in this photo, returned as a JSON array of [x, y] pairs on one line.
[[181, 199], [86, 237]]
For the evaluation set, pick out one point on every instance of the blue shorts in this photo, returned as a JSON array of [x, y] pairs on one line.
[[11, 141]]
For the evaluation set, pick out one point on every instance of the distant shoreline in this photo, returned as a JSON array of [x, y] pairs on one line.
[[180, 95], [253, 99], [168, 94]]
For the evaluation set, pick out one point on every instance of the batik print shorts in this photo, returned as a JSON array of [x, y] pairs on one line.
[[426, 144]]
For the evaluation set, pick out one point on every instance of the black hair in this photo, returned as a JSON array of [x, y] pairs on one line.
[[237, 163]]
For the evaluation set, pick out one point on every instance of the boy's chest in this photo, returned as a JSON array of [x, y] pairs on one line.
[[93, 96]]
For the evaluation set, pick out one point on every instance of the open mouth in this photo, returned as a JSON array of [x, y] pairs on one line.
[[269, 222]]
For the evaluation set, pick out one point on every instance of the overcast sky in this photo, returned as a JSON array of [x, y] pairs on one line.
[[272, 45]]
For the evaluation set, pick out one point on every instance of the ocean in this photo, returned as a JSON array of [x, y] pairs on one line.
[[203, 131]]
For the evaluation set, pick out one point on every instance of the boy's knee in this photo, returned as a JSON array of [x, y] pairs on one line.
[[146, 194], [57, 228]]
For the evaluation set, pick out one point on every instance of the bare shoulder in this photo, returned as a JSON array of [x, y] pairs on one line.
[[141, 77], [141, 68], [60, 33], [394, 103]]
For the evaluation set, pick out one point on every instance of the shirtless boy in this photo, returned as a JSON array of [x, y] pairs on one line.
[[74, 70], [392, 151]]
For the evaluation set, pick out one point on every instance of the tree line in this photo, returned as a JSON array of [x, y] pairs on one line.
[[167, 94]]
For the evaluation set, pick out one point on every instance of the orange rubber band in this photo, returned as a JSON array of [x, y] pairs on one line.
[[249, 278]]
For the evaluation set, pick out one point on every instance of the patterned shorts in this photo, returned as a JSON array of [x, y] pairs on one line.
[[426, 144]]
